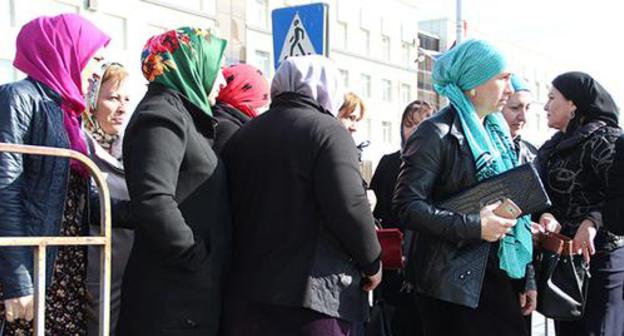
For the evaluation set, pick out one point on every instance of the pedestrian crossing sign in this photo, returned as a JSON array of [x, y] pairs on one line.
[[300, 30]]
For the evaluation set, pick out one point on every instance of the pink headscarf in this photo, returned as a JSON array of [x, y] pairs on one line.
[[54, 50], [246, 89]]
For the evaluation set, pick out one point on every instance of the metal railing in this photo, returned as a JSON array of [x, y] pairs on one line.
[[41, 243]]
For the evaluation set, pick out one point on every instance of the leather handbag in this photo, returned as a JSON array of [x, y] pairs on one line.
[[391, 241], [522, 185], [562, 277]]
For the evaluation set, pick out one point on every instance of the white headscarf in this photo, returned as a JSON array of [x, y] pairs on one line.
[[315, 76]]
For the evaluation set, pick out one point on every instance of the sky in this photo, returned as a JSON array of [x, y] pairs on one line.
[[570, 35]]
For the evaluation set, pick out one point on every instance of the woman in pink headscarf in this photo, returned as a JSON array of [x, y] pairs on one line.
[[45, 196]]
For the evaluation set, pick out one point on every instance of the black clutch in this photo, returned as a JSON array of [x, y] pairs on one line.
[[521, 184]]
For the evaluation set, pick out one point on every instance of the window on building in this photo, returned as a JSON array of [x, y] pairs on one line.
[[406, 52], [365, 38], [344, 74], [406, 94], [386, 90], [262, 60], [115, 27], [5, 13], [7, 74], [385, 45], [365, 82], [429, 42], [386, 132], [341, 35], [258, 13]]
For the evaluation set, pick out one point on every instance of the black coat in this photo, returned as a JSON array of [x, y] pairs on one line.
[[303, 229], [382, 184], [574, 168], [613, 212], [178, 191], [229, 120], [448, 257]]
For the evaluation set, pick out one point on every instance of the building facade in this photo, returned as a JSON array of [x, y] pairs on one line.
[[374, 47]]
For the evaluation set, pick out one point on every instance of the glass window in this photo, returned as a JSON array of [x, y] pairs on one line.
[[345, 77], [262, 61], [365, 38], [259, 13], [365, 82], [115, 27], [385, 45], [7, 74], [341, 35], [406, 94], [5, 13], [386, 87], [406, 51], [386, 132]]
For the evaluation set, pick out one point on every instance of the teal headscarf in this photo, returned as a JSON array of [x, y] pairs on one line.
[[466, 66]]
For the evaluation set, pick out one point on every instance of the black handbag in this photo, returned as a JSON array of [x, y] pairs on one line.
[[562, 278]]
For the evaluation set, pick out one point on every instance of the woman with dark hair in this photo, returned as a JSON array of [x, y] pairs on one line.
[[46, 196], [574, 165], [468, 269], [394, 290], [178, 191]]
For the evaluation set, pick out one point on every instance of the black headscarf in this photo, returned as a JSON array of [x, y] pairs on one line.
[[592, 101]]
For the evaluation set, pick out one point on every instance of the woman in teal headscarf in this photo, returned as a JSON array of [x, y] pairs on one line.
[[469, 270], [178, 194]]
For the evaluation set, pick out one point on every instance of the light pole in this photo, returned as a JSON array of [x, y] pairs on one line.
[[459, 22]]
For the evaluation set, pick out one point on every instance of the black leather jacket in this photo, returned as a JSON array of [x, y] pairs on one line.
[[449, 257]]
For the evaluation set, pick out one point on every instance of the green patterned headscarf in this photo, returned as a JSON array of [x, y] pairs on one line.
[[186, 60]]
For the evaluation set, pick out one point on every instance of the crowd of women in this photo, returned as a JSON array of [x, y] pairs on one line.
[[232, 222]]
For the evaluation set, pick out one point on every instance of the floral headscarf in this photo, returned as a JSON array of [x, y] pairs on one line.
[[246, 88], [186, 60], [54, 50], [89, 122]]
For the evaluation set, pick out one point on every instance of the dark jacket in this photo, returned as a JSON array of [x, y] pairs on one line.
[[525, 151], [32, 187], [303, 230], [382, 183], [178, 192], [448, 256], [575, 171], [229, 120]]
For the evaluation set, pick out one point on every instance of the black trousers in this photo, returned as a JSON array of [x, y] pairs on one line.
[[498, 312]]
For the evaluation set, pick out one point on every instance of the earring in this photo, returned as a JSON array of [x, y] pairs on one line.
[[473, 92]]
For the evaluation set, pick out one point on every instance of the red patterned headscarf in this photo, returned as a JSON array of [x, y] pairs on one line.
[[246, 89]]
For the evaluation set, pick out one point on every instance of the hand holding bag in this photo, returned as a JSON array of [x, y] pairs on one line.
[[562, 277]]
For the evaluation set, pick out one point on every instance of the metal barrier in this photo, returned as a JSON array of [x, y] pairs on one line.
[[40, 243]]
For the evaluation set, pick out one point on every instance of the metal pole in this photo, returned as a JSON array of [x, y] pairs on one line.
[[40, 287], [40, 243], [459, 22]]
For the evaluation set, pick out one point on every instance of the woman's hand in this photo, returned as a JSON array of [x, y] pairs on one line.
[[549, 223], [19, 308], [528, 302], [584, 239], [493, 227]]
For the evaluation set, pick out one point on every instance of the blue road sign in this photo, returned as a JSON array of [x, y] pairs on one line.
[[300, 30]]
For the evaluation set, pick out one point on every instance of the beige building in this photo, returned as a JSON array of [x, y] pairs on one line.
[[374, 46]]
